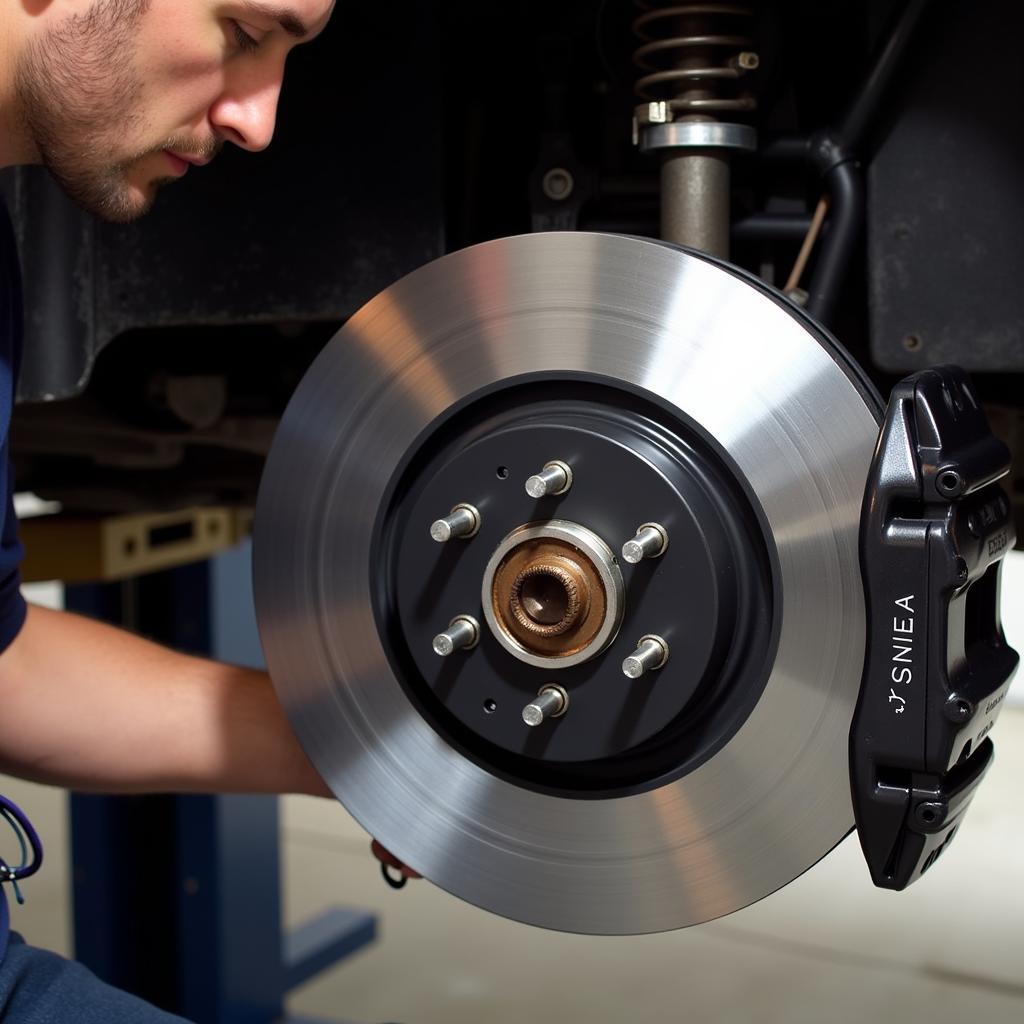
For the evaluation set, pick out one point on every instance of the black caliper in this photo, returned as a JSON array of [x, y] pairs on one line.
[[934, 528]]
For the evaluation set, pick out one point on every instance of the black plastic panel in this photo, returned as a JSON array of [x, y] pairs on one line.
[[946, 205]]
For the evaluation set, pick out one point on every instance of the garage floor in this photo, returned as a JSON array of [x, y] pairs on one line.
[[828, 948]]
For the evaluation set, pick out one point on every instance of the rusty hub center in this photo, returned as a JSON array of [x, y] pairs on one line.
[[549, 597]]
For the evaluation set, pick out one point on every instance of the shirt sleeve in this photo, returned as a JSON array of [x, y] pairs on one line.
[[12, 605]]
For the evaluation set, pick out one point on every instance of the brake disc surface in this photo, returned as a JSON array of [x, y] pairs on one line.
[[675, 388]]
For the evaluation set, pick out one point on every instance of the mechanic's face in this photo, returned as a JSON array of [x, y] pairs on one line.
[[120, 96]]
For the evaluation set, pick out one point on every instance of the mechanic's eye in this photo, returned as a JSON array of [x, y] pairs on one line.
[[245, 41]]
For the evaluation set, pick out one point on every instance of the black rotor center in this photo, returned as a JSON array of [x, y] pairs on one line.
[[709, 596]]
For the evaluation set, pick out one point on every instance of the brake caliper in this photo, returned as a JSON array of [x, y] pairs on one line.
[[934, 529]]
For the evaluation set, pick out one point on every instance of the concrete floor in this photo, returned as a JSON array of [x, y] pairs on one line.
[[827, 948]]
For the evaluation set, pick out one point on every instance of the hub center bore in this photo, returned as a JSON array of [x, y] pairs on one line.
[[550, 597]]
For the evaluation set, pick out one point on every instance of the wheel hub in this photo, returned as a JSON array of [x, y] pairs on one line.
[[552, 594], [558, 602]]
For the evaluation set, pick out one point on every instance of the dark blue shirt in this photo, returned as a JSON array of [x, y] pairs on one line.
[[12, 604], [35, 985]]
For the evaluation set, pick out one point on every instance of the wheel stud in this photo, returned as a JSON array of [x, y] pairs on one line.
[[650, 541], [651, 653], [549, 703], [461, 635], [463, 521], [554, 479]]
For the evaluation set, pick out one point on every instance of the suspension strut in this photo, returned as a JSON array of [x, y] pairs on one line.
[[694, 61]]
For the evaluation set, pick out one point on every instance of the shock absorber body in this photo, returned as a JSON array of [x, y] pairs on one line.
[[693, 60]]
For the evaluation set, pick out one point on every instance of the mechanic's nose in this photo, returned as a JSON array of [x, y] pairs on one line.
[[247, 121]]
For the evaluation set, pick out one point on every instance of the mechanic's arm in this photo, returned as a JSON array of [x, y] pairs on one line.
[[90, 707]]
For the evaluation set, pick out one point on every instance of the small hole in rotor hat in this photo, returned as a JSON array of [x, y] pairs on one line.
[[490, 706], [501, 472]]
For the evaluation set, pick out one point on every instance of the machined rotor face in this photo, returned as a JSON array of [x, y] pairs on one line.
[[557, 578]]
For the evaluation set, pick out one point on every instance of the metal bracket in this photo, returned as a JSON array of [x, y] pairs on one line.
[[697, 134]]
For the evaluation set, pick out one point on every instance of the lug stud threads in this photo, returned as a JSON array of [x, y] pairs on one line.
[[650, 654], [554, 479], [650, 542], [461, 635], [549, 703], [463, 521]]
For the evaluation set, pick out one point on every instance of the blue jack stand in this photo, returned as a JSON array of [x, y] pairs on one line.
[[177, 898]]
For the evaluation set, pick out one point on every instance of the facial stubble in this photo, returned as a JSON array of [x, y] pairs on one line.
[[80, 94]]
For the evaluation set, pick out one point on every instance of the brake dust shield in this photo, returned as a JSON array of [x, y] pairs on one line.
[[679, 392]]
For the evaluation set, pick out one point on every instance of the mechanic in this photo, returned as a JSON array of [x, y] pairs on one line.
[[117, 98]]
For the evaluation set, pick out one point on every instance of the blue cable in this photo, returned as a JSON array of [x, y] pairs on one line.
[[28, 841]]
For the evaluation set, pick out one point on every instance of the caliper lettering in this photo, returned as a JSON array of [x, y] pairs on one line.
[[902, 657]]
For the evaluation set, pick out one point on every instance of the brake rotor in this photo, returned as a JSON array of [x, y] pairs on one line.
[[679, 393]]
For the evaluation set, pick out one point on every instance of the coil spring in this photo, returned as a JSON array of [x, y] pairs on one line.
[[691, 60]]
